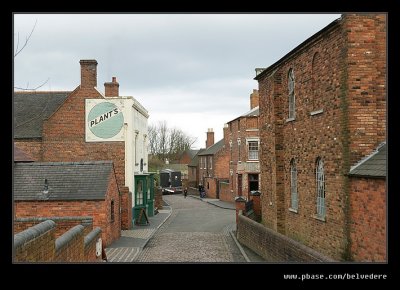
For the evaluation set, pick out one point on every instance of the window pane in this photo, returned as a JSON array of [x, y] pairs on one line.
[[253, 150]]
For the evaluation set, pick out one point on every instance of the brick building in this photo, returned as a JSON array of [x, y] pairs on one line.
[[213, 165], [57, 189], [87, 125], [322, 109], [193, 170], [242, 135], [368, 207]]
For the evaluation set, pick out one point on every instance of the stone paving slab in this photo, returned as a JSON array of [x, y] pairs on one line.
[[122, 254]]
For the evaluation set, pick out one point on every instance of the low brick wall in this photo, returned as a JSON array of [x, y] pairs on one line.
[[273, 246], [70, 246], [90, 241], [35, 244], [63, 224], [38, 244]]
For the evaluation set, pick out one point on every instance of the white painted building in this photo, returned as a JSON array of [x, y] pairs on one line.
[[121, 119]]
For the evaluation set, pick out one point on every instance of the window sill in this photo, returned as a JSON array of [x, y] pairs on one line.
[[293, 210], [253, 161], [290, 120], [317, 112], [322, 219]]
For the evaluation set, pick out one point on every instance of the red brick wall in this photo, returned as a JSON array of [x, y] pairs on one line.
[[113, 228], [39, 248], [64, 136], [39, 244], [221, 163], [366, 66], [63, 224], [33, 147], [210, 187], [273, 246], [324, 135], [225, 192], [368, 219], [72, 247], [126, 208], [94, 209], [185, 158], [90, 249]]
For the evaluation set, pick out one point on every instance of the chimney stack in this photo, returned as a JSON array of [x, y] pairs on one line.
[[210, 137], [254, 99], [112, 89], [88, 73]]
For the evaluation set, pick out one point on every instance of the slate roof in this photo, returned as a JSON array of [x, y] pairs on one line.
[[373, 165], [213, 148], [66, 180], [21, 156], [192, 152], [252, 113], [32, 108], [195, 160]]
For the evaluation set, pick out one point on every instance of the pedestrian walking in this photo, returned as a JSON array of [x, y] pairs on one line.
[[185, 192]]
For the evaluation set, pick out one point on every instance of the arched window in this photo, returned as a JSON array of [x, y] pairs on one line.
[[315, 82], [293, 185], [112, 211], [292, 106], [320, 185]]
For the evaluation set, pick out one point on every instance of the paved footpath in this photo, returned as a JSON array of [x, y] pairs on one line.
[[133, 241]]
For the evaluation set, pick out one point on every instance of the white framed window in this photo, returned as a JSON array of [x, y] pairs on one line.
[[320, 186], [294, 200], [292, 106], [210, 160], [252, 146], [205, 162]]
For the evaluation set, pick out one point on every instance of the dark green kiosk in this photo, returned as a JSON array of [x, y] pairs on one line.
[[144, 198]]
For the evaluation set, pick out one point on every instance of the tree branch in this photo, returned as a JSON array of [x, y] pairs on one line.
[[32, 89], [26, 41]]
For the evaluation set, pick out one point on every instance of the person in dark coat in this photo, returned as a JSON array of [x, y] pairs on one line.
[[185, 192]]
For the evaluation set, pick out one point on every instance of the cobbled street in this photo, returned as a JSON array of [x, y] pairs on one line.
[[195, 232]]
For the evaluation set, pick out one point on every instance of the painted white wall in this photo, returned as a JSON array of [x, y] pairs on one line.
[[136, 121]]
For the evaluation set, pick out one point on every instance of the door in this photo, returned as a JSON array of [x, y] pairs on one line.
[[253, 183], [239, 185]]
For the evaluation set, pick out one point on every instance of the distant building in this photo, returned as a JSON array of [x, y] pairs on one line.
[[242, 134], [213, 165], [193, 170], [322, 110]]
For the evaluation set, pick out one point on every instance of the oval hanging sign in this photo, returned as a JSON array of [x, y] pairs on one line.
[[105, 120]]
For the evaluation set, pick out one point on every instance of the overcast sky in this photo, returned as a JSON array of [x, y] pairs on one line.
[[193, 70]]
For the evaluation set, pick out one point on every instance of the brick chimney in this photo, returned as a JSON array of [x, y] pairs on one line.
[[112, 89], [210, 137], [254, 99], [88, 73]]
